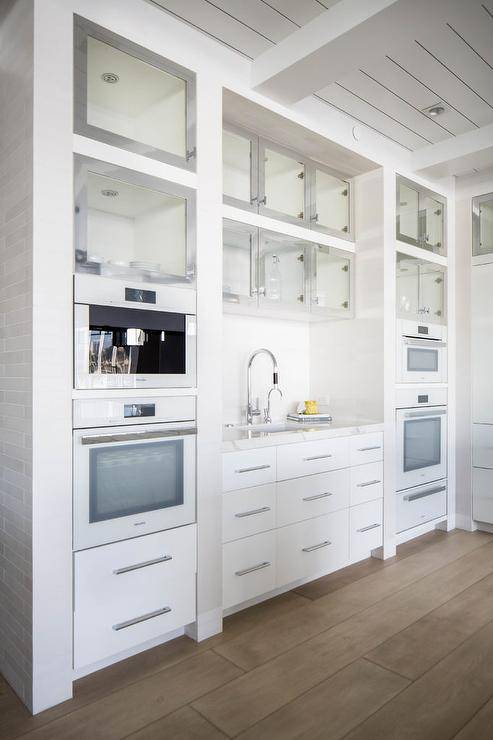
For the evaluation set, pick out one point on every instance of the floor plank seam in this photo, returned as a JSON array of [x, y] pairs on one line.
[[230, 660], [210, 721], [378, 709], [390, 670], [366, 608], [472, 717]]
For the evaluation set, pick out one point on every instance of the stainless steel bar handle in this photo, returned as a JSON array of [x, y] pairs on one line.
[[137, 566], [317, 496], [251, 470], [311, 548], [430, 412], [136, 436], [242, 514], [423, 494], [367, 449], [316, 457], [368, 483], [143, 618], [259, 566], [429, 342], [370, 526]]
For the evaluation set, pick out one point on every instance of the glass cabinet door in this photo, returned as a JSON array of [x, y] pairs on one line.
[[282, 187], [407, 214], [407, 282], [330, 197], [128, 96], [421, 290], [331, 280], [239, 168], [432, 293], [132, 225], [431, 223], [240, 246], [282, 272], [482, 225]]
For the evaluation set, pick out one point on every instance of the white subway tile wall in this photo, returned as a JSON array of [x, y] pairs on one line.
[[16, 181]]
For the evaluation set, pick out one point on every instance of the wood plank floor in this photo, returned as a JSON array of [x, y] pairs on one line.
[[397, 649]]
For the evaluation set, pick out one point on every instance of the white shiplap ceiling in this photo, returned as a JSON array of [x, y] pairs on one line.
[[453, 68]]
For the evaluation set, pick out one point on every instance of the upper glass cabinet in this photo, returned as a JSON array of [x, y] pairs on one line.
[[131, 98], [420, 219], [482, 225], [283, 278], [331, 280], [132, 225], [261, 176], [240, 247], [421, 290]]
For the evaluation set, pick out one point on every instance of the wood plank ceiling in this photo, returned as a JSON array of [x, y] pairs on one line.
[[392, 95]]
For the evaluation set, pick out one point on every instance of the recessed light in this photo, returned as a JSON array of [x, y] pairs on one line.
[[110, 77], [110, 193], [434, 110]]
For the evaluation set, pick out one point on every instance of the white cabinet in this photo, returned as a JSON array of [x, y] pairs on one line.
[[129, 225], [482, 225], [312, 548], [366, 529], [132, 98], [248, 512], [130, 592], [320, 509], [249, 468], [308, 458], [366, 448], [420, 217], [268, 272], [482, 494], [421, 504], [421, 290], [265, 177], [366, 483], [312, 496], [249, 568]]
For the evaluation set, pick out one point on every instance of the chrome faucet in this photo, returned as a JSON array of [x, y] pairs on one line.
[[254, 410]]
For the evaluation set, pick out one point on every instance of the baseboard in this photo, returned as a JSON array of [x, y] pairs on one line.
[[411, 534], [207, 625]]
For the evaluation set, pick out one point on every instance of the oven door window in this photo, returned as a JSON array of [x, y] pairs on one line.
[[422, 443], [129, 479], [421, 360]]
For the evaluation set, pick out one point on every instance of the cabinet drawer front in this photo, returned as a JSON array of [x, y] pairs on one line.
[[248, 468], [248, 512], [249, 568], [366, 528], [366, 448], [366, 483], [312, 548], [311, 496], [130, 592], [420, 505], [309, 458]]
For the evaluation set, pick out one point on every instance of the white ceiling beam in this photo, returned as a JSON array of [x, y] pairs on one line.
[[458, 155], [349, 35]]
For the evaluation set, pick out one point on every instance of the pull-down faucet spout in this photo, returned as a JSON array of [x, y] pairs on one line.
[[254, 410]]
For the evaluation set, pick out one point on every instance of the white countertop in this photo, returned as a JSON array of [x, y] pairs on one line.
[[239, 438]]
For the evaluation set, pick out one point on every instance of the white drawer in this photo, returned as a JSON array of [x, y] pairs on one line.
[[130, 592], [366, 448], [312, 548], [421, 504], [308, 458], [366, 529], [366, 483], [249, 568], [249, 511], [311, 496], [248, 468]]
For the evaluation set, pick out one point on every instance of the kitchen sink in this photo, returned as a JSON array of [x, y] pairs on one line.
[[270, 428]]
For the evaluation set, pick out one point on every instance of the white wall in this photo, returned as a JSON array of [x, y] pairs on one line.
[[288, 340], [346, 357]]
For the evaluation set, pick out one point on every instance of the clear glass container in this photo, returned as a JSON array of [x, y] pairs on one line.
[[283, 271], [128, 227], [421, 290]]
